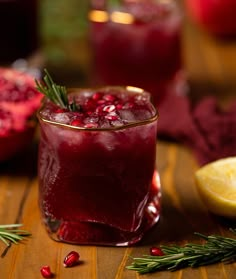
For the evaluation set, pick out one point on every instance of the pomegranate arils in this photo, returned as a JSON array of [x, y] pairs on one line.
[[104, 109], [109, 97], [119, 106], [46, 271], [97, 96], [71, 259], [60, 110], [76, 122], [91, 125], [112, 116], [101, 102], [109, 108], [156, 251]]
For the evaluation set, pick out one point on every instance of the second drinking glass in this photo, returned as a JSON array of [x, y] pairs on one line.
[[138, 43]]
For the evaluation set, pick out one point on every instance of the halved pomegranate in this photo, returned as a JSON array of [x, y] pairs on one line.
[[19, 101]]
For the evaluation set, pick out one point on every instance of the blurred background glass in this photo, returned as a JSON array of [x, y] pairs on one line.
[[138, 43]]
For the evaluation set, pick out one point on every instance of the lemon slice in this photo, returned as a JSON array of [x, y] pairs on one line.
[[216, 184]]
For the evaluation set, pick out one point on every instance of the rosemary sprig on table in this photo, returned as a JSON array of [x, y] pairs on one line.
[[11, 234], [56, 93], [216, 249]]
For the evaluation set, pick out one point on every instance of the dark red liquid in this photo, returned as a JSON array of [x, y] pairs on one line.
[[97, 186], [19, 30], [144, 53]]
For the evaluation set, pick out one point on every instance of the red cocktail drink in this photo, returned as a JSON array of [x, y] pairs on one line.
[[97, 176], [138, 43]]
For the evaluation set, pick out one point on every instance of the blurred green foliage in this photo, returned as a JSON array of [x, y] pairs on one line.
[[61, 22], [63, 18]]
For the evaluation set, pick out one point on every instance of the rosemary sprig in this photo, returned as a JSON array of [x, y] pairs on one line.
[[11, 234], [56, 93], [216, 249]]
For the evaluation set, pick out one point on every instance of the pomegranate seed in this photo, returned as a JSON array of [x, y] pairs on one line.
[[111, 116], [46, 271], [76, 122], [101, 102], [109, 108], [99, 109], [71, 259], [119, 106], [59, 110], [91, 125], [97, 96], [156, 251], [109, 97]]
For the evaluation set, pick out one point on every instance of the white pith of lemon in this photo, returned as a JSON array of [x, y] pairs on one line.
[[216, 184]]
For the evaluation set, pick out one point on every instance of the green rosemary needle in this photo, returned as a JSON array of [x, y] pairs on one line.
[[56, 93], [11, 234], [216, 249]]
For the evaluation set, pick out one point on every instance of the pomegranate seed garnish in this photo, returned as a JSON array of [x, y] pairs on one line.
[[156, 251], [119, 106], [91, 125], [112, 116], [97, 96], [59, 110], [46, 271], [109, 108], [71, 259], [109, 97], [101, 102], [76, 122]]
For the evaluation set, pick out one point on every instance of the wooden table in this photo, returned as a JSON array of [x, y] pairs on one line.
[[212, 68]]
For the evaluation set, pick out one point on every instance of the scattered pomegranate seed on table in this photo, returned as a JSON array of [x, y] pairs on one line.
[[71, 259], [156, 251], [46, 272]]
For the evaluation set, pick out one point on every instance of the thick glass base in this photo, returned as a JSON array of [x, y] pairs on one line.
[[92, 233]]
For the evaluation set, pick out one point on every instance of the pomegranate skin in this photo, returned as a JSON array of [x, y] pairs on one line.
[[216, 17], [16, 143]]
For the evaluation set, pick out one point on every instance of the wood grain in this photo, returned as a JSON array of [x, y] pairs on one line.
[[182, 214]]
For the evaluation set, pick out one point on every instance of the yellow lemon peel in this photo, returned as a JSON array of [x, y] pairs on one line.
[[216, 184]]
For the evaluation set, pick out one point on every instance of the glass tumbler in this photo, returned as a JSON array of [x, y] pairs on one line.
[[137, 43], [97, 178]]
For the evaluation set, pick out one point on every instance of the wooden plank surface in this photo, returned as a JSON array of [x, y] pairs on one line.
[[182, 215]]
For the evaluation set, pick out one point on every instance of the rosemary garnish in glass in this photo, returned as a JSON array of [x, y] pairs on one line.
[[216, 249], [11, 234], [56, 93]]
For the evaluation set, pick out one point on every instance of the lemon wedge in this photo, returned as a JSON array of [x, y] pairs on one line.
[[216, 184]]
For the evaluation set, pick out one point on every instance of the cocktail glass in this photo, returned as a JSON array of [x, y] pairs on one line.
[[97, 178], [138, 43]]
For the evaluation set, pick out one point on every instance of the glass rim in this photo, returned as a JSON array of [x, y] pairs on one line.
[[113, 128], [105, 14]]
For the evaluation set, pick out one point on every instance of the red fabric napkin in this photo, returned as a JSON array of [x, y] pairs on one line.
[[204, 127]]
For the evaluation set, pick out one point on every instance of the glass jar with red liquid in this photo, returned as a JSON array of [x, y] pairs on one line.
[[98, 182], [19, 29], [137, 43], [215, 17]]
